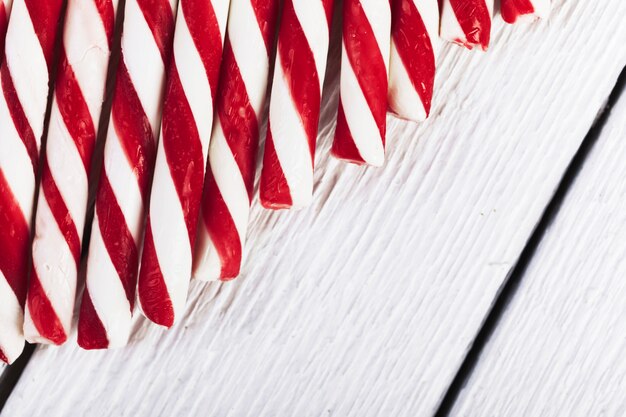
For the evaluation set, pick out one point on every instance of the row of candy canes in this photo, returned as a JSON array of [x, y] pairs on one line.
[[388, 55]]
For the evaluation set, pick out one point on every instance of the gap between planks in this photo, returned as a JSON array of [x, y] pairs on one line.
[[512, 283]]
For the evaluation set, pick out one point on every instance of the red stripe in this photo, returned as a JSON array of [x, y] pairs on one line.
[[266, 12], [475, 20], [91, 332], [117, 238], [107, 14], [183, 151], [512, 9], [274, 190], [133, 128], [343, 145], [298, 66], [17, 114], [60, 212], [415, 48], [237, 118], [153, 293], [45, 15], [3, 358], [207, 38], [328, 8], [42, 313], [3, 31], [75, 112], [160, 19], [366, 61], [14, 241], [222, 229]]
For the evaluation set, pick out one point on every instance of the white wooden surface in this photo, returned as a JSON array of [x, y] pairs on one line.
[[560, 348], [365, 303]]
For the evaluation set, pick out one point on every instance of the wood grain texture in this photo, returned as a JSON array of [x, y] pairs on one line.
[[560, 347], [365, 303]]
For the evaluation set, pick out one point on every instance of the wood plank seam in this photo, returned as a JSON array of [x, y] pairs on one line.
[[511, 284]]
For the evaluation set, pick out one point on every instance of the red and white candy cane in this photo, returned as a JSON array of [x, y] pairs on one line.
[[414, 47], [129, 154], [181, 159], [467, 22], [5, 11], [287, 175], [24, 77], [361, 121], [62, 206], [517, 10], [234, 144]]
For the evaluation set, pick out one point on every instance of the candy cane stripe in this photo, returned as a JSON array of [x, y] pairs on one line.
[[24, 88], [181, 159], [129, 158]]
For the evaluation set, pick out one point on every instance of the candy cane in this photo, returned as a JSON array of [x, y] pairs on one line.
[[129, 154], [234, 144], [414, 46], [62, 205], [24, 76], [179, 174], [5, 11], [361, 122], [287, 175], [514, 10], [467, 22]]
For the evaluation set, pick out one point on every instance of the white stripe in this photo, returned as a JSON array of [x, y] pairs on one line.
[[12, 318], [403, 98], [144, 63], [249, 50], [312, 18], [378, 14], [429, 12], [107, 292], [67, 169], [124, 183], [29, 71], [290, 141], [229, 180], [359, 116], [220, 8], [55, 265], [193, 78], [450, 27], [169, 230], [87, 49], [207, 263], [15, 162]]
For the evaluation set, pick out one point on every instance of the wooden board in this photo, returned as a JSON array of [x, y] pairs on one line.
[[365, 303], [559, 349]]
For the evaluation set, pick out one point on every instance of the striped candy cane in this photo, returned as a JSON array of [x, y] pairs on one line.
[[5, 11], [130, 150], [234, 144], [467, 22], [62, 205], [514, 10], [361, 122], [287, 175], [414, 46], [179, 174], [24, 76]]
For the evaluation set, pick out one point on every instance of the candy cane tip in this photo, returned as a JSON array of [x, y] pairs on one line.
[[9, 356]]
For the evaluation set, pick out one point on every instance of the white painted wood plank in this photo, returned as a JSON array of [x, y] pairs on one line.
[[560, 347], [365, 303]]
